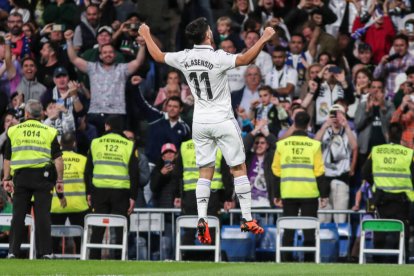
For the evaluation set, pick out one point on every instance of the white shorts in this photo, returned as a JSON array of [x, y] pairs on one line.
[[226, 135]]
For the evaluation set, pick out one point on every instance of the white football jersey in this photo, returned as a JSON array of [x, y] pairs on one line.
[[205, 71]]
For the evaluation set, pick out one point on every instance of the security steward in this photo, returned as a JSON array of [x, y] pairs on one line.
[[111, 177], [299, 170], [74, 205], [31, 149], [390, 171], [221, 186]]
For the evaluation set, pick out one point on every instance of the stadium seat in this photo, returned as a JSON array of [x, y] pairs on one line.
[[104, 220], [345, 234], [5, 220], [67, 231], [238, 246], [191, 222], [295, 223], [147, 222], [329, 242], [382, 225]]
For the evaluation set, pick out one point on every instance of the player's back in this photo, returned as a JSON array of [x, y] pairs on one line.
[[205, 71]]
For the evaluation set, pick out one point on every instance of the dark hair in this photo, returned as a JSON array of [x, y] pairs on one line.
[[115, 122], [410, 70], [364, 71], [54, 46], [401, 36], [266, 88], [279, 49], [395, 132], [67, 140], [302, 120], [325, 54], [26, 59], [175, 99], [378, 80], [298, 35], [196, 30]]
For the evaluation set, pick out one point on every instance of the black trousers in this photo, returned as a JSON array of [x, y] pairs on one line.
[[28, 183], [189, 206], [98, 120], [108, 201], [308, 208], [75, 219], [392, 206]]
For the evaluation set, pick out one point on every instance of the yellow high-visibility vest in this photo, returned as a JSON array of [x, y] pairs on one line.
[[75, 187], [110, 155], [31, 143], [391, 169], [190, 175], [299, 162]]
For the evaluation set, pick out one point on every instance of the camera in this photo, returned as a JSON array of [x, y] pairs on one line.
[[393, 56], [57, 28], [133, 26], [332, 114]]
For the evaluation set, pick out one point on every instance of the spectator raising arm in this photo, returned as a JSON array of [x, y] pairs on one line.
[[139, 59], [80, 63], [10, 69]]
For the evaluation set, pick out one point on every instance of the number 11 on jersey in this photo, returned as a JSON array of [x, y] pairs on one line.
[[203, 77]]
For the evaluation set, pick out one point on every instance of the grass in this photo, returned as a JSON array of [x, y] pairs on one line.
[[66, 267]]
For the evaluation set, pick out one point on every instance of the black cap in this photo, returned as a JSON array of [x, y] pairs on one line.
[[364, 47], [60, 71]]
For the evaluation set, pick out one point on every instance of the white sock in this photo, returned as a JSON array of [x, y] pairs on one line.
[[243, 192], [202, 195]]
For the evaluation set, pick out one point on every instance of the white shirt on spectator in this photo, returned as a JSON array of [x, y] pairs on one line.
[[236, 78], [280, 78], [248, 97], [264, 61]]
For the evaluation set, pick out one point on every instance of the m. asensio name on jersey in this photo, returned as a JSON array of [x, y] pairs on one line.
[[200, 62]]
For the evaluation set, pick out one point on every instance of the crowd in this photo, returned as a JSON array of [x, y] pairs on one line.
[[348, 64]]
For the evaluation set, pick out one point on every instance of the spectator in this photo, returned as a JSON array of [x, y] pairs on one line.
[[260, 149], [364, 56], [379, 35], [61, 12], [404, 115], [319, 41], [162, 127], [242, 98], [126, 36], [224, 32], [362, 82], [234, 75], [263, 60], [340, 151], [299, 59], [85, 34], [20, 43], [239, 14], [22, 7], [282, 78], [107, 81], [407, 88], [16, 105], [123, 8], [300, 14], [391, 65], [29, 85], [48, 63], [372, 120], [174, 80], [10, 77]]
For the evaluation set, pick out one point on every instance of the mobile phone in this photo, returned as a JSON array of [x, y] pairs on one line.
[[57, 28], [332, 114], [335, 69], [393, 56], [133, 26], [167, 162], [60, 101], [409, 26]]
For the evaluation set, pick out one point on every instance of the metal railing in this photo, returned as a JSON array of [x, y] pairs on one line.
[[175, 211]]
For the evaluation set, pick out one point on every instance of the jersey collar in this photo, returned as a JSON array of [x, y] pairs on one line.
[[204, 47]]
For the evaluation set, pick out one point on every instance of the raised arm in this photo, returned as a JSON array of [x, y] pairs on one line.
[[139, 59], [10, 69], [80, 63], [252, 53], [153, 48]]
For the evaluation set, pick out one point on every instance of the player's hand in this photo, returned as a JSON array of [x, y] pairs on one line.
[[68, 35], [268, 33], [63, 202], [8, 186], [177, 202], [131, 206], [144, 30]]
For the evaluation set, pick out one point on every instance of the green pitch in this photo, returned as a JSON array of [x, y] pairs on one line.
[[62, 267]]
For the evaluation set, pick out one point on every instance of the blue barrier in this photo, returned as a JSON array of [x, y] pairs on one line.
[[237, 246]]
